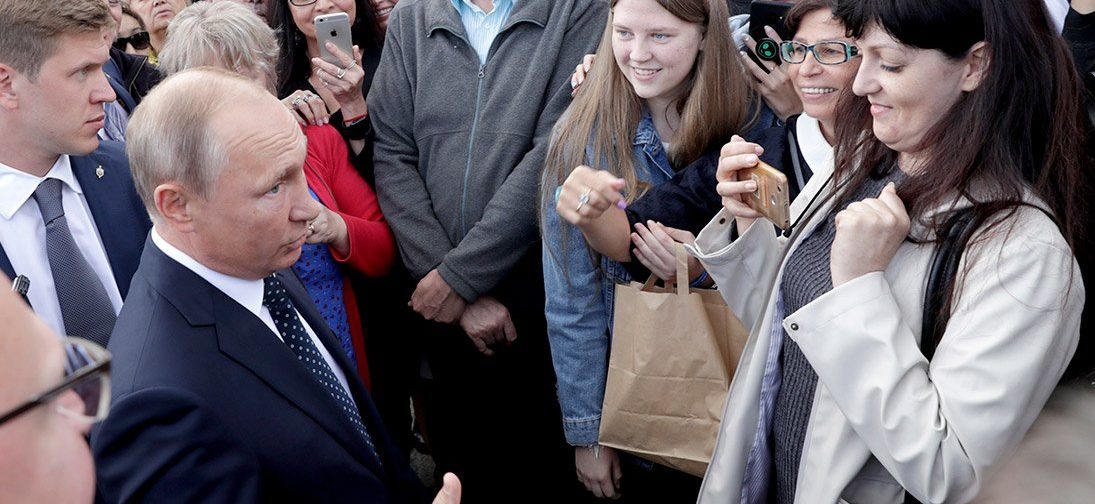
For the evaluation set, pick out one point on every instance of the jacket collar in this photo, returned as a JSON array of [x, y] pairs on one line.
[[246, 340], [441, 15]]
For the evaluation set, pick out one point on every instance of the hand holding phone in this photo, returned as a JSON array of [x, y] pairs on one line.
[[772, 197], [334, 28], [767, 13]]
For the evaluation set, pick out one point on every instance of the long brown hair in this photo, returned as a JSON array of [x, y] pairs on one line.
[[1022, 128], [605, 113]]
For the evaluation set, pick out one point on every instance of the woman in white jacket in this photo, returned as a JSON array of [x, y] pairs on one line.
[[967, 103]]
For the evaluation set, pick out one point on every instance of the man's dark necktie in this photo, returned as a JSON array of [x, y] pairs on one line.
[[292, 332], [85, 306]]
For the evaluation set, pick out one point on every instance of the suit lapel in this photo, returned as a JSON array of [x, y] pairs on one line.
[[247, 340], [104, 196]]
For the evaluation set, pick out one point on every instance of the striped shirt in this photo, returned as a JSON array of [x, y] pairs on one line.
[[482, 27]]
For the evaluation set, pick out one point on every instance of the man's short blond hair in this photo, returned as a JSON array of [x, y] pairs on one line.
[[171, 138], [223, 34], [29, 29]]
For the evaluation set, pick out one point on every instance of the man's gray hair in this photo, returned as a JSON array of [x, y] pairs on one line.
[[221, 34], [171, 138]]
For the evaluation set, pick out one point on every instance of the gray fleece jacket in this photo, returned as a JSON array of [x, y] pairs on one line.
[[460, 146]]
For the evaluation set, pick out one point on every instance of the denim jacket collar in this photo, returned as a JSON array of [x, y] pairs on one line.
[[647, 140]]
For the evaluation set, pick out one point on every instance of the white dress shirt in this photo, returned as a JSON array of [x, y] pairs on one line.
[[23, 236], [248, 293]]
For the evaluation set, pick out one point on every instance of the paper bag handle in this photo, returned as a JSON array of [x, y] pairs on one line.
[[682, 274]]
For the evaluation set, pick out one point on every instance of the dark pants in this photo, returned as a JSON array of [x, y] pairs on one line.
[[495, 421]]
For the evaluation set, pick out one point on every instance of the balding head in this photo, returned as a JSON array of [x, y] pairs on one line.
[[171, 137], [219, 162]]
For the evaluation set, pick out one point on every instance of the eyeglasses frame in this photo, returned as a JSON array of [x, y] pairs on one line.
[[850, 51], [80, 376]]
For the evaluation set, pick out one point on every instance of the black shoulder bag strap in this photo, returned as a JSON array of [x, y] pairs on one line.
[[957, 231]]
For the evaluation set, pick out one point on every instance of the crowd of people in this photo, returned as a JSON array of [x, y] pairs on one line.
[[249, 265]]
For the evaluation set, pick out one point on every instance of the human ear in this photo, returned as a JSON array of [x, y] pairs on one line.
[[976, 66], [173, 204], [8, 97]]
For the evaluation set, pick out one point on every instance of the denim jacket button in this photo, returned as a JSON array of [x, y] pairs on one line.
[[794, 326]]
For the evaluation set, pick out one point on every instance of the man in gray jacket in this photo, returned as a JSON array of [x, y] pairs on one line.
[[463, 104]]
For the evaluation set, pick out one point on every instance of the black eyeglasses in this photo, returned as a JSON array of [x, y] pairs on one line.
[[138, 40], [832, 52], [87, 372]]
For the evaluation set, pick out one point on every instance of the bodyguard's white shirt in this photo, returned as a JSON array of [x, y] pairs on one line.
[[248, 293], [23, 236]]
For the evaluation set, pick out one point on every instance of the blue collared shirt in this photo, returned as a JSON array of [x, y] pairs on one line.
[[482, 27], [580, 299]]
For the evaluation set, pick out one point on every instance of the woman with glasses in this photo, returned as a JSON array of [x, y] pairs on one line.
[[857, 386], [132, 34], [801, 149], [317, 91]]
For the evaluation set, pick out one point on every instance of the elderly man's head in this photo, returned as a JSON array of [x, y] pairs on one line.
[[43, 454], [218, 162], [225, 35]]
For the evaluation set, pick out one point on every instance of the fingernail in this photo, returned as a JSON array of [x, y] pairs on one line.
[[752, 186], [747, 37], [751, 159], [760, 150], [621, 204]]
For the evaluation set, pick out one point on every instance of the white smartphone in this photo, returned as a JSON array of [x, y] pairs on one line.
[[334, 28]]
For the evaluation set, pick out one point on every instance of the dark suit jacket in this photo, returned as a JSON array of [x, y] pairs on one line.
[[209, 406], [118, 213]]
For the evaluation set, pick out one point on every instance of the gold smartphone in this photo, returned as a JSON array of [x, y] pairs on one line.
[[772, 197]]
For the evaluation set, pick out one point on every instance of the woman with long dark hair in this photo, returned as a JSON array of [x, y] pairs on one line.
[[847, 391], [318, 91]]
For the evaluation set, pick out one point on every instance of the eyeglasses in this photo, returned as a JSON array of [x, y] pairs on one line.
[[138, 40], [87, 372], [833, 52]]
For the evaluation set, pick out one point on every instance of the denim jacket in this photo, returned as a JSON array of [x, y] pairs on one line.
[[580, 299]]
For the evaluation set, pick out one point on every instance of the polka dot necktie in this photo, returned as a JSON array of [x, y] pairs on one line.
[[292, 332]]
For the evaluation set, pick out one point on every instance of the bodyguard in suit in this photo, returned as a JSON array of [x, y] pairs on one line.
[[228, 385], [70, 219]]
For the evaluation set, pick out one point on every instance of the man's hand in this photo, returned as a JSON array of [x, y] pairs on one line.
[[599, 470], [450, 491], [487, 322], [435, 300]]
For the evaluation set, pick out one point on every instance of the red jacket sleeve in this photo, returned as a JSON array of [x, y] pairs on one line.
[[372, 245]]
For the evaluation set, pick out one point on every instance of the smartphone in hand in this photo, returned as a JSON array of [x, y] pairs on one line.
[[772, 197], [334, 28]]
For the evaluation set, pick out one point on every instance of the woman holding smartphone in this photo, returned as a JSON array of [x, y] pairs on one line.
[[821, 64], [835, 400], [670, 93], [321, 92]]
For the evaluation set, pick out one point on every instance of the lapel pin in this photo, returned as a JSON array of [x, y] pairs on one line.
[[99, 172]]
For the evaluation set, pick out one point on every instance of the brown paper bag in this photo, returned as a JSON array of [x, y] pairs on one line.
[[674, 351]]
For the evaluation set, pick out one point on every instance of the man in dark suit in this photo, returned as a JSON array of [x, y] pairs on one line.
[[70, 219], [228, 385]]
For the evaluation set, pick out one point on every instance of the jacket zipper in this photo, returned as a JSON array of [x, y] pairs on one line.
[[471, 149]]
